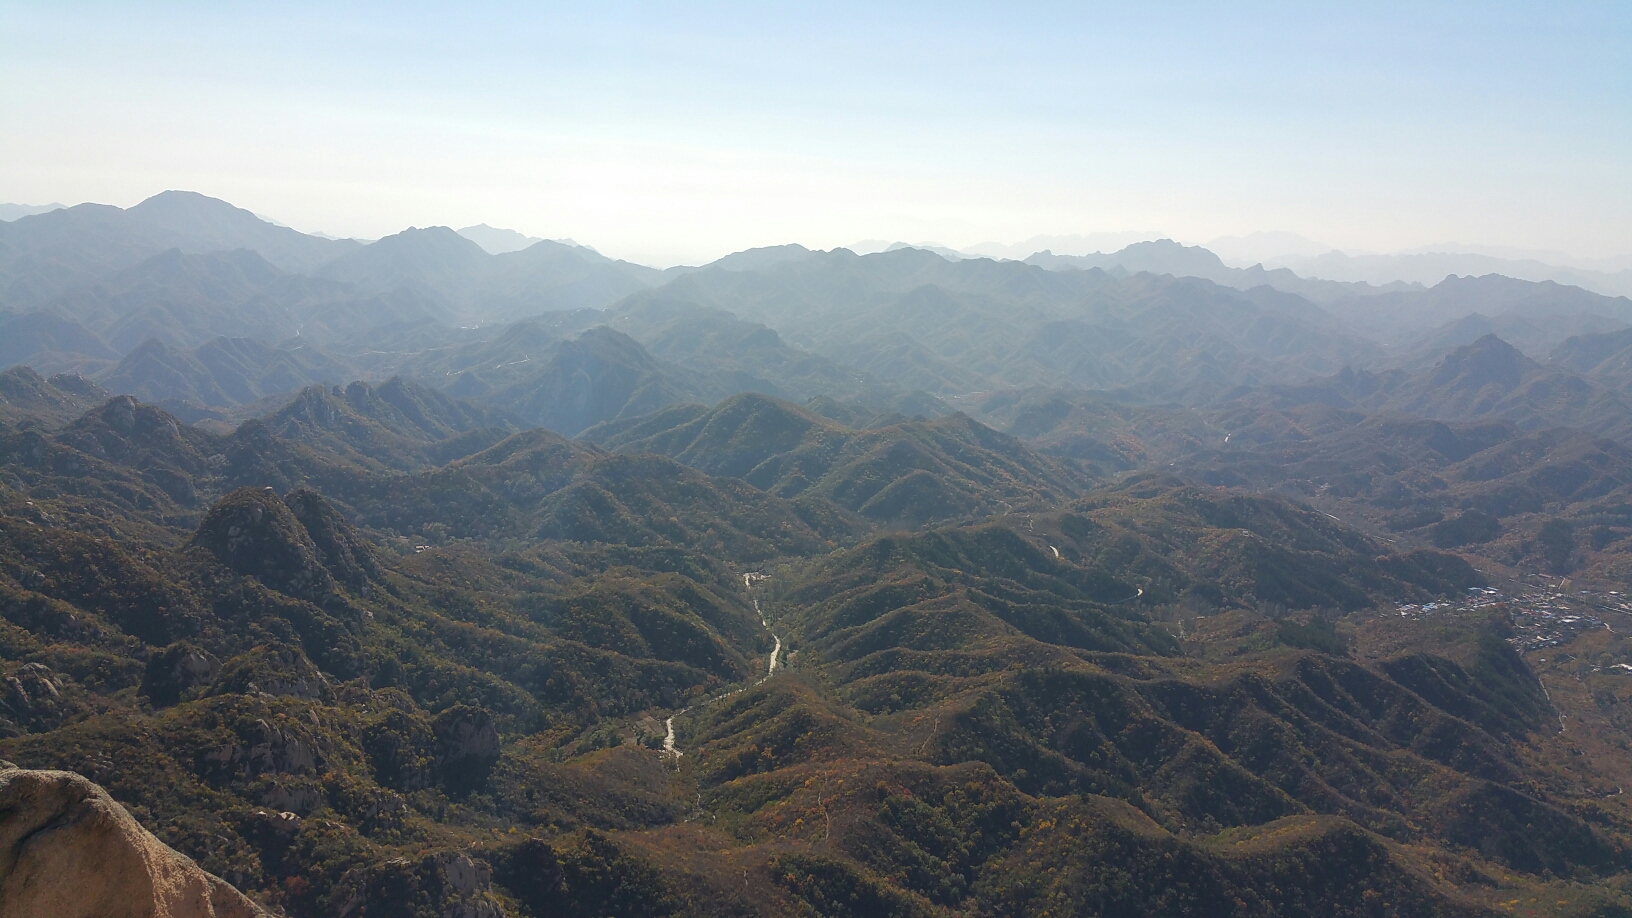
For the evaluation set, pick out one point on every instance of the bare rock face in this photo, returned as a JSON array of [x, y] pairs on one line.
[[31, 698], [451, 883], [175, 671], [467, 747], [67, 850]]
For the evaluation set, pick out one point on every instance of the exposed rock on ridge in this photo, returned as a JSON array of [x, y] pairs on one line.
[[253, 532]]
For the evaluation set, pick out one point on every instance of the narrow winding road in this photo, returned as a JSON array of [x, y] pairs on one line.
[[669, 749]]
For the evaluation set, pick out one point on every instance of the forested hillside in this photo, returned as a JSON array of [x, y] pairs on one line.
[[409, 579]]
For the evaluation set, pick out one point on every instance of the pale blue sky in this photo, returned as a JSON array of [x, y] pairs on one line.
[[679, 132]]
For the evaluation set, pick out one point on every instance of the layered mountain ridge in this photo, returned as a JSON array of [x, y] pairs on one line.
[[408, 578]]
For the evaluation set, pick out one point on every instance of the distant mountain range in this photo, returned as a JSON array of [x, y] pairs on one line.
[[203, 307], [9, 212], [1274, 258]]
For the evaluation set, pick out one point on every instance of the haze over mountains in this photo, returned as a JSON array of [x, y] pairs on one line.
[[189, 302], [463, 572]]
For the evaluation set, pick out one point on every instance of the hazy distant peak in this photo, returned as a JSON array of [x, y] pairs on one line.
[[10, 212], [189, 205], [498, 241], [1487, 360], [941, 250], [1156, 256], [430, 235], [762, 258]]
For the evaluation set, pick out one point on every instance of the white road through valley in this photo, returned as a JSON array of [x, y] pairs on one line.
[[770, 670]]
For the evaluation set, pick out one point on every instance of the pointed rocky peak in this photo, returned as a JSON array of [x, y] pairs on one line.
[[78, 386], [272, 669], [1354, 384], [341, 549], [55, 401], [467, 747], [128, 431], [253, 532], [323, 407], [126, 416], [1487, 361]]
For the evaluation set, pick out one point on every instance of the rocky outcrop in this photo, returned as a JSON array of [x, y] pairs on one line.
[[31, 699], [340, 548], [253, 532], [262, 748], [467, 747], [68, 850], [175, 671], [451, 883], [272, 669]]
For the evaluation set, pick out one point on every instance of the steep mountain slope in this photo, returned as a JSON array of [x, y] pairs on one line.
[[599, 376], [434, 261], [210, 225], [1604, 358], [221, 372], [46, 341], [396, 425], [1491, 379], [80, 853], [902, 475]]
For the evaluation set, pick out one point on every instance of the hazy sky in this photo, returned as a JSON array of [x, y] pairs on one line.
[[680, 132]]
